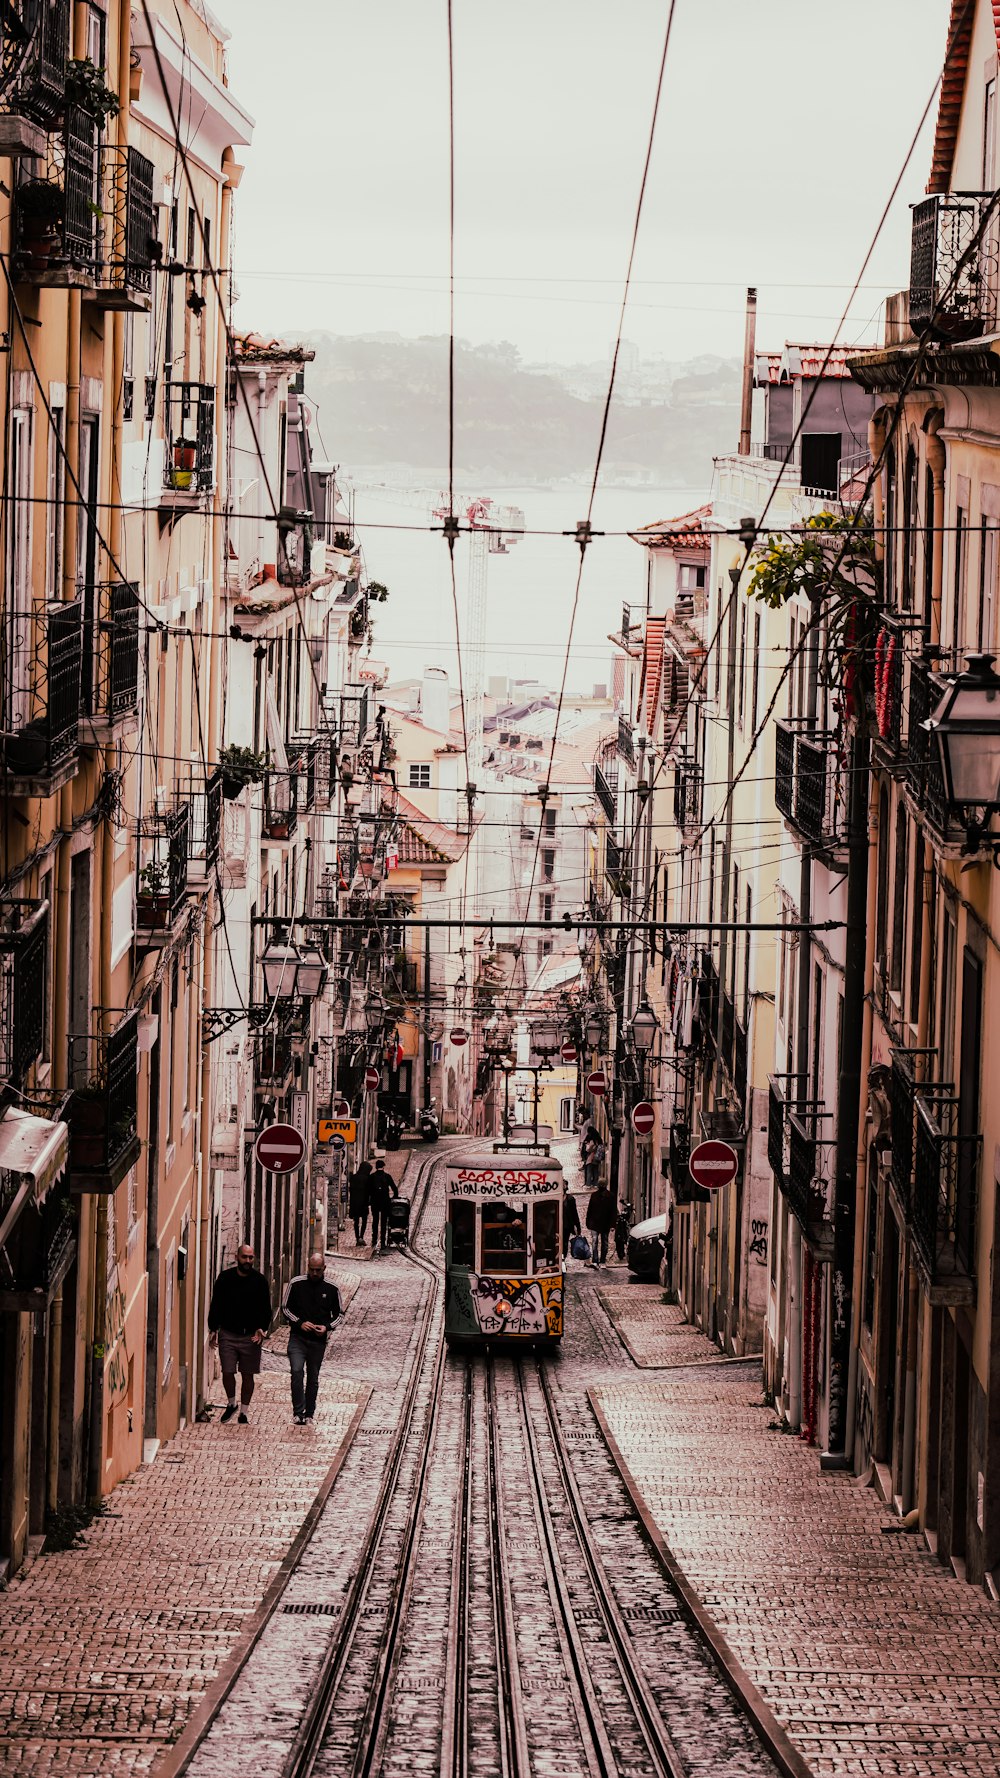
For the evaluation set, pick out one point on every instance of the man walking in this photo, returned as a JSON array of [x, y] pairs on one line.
[[239, 1316], [382, 1188], [601, 1215], [311, 1307], [571, 1221], [592, 1156], [358, 1201]]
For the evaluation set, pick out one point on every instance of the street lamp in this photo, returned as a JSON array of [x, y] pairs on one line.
[[546, 1038], [965, 728], [310, 978], [594, 1032], [644, 1028], [291, 974]]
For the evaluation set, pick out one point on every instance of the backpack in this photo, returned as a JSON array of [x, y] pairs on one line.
[[580, 1247]]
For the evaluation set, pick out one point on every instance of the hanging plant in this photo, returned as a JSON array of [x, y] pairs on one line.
[[87, 88], [831, 562], [378, 591]]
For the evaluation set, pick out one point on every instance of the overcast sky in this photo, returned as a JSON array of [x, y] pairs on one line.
[[783, 126]]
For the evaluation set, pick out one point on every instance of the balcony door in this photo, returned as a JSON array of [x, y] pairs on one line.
[[17, 629], [86, 556]]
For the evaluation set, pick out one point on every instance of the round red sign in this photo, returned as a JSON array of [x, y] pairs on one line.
[[279, 1148], [643, 1118], [568, 1052], [713, 1164], [459, 1036], [597, 1084], [341, 1108], [372, 1079]]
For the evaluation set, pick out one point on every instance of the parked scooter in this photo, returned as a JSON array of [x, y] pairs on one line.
[[430, 1123]]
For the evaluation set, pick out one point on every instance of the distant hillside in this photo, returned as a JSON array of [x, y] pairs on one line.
[[383, 399]]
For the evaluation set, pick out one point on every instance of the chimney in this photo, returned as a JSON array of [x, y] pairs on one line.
[[746, 399]]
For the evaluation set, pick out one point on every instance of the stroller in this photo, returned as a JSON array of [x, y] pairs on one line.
[[399, 1222]]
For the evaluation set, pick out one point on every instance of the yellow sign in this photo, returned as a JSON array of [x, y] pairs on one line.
[[329, 1127]]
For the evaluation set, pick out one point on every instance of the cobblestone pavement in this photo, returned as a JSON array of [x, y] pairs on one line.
[[107, 1648], [873, 1656]]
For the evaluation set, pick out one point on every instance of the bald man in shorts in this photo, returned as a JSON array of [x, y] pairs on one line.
[[239, 1316]]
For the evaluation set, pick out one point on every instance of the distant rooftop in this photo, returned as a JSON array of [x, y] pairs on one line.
[[803, 361], [253, 348], [687, 532]]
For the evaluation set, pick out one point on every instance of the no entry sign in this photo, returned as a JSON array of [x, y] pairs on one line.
[[713, 1164], [459, 1036], [568, 1052], [372, 1078], [597, 1083], [340, 1107], [643, 1118], [279, 1148]]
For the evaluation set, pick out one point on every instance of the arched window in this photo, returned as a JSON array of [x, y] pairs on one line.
[[911, 523], [890, 522]]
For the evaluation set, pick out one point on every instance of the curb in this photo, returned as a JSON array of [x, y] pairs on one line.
[[176, 1760], [775, 1739]]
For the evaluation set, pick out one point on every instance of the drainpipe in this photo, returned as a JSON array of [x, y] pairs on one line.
[[261, 523], [862, 1147], [936, 463], [794, 1325], [746, 394]]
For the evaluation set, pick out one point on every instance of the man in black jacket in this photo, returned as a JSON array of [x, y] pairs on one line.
[[311, 1307], [382, 1188], [239, 1316]]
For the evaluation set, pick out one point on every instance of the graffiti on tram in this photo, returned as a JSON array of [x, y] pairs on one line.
[[515, 1307]]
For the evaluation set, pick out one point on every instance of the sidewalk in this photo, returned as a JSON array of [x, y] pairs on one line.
[[873, 1657], [106, 1649]]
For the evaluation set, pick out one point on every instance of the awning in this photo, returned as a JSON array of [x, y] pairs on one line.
[[35, 1151]]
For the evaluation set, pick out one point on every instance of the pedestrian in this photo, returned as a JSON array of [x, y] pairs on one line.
[[622, 1226], [592, 1156], [601, 1215], [358, 1201], [239, 1316], [311, 1306], [382, 1188], [571, 1221]]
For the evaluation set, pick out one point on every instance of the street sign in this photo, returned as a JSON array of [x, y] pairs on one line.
[[459, 1036], [340, 1108], [597, 1083], [643, 1118], [713, 1164], [372, 1079], [279, 1148], [330, 1127], [337, 1144], [568, 1052]]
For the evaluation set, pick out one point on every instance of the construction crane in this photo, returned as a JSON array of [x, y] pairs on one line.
[[493, 530]]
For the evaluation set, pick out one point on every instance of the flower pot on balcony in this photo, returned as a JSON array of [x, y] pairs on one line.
[[26, 753], [153, 912], [89, 1130], [185, 461]]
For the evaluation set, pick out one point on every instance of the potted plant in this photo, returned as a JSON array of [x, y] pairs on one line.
[[154, 896], [343, 541], [26, 752], [240, 766], [41, 211], [378, 591], [87, 89], [185, 462]]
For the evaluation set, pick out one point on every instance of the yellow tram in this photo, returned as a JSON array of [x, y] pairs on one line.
[[503, 1246]]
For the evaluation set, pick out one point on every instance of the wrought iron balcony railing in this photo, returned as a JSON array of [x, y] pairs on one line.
[[114, 606], [953, 265], [945, 1180], [281, 805], [103, 1114], [164, 850], [924, 778], [24, 941], [626, 744], [708, 998], [776, 1143], [58, 217], [42, 692], [728, 1029], [126, 274], [604, 793], [296, 535], [617, 869], [34, 55], [688, 780], [792, 1150], [189, 430], [39, 1255], [204, 800], [902, 1109], [807, 783]]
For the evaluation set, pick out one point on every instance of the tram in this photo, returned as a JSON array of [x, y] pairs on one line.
[[503, 1246]]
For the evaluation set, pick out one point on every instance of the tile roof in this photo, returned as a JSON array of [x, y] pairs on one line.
[[253, 348], [652, 668], [803, 359], [956, 66], [423, 841], [687, 532]]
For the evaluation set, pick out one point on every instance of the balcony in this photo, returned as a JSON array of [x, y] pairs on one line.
[[924, 779], [708, 998], [791, 1153], [807, 785], [204, 848], [42, 700], [34, 53], [626, 745], [103, 1115], [113, 617], [945, 1175], [189, 431], [281, 809], [39, 1256], [617, 869], [164, 847], [902, 1107], [605, 794], [296, 541], [125, 274], [311, 760], [24, 944], [776, 1157], [688, 780], [953, 266], [57, 227], [728, 1030]]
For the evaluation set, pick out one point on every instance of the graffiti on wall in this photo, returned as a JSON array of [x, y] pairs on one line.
[[758, 1241], [512, 1307]]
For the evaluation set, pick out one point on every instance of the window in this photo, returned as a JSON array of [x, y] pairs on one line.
[[755, 674], [916, 928], [882, 879], [898, 903], [987, 581], [505, 1240], [746, 959], [169, 1293], [548, 864], [18, 637], [546, 903], [549, 823], [961, 569], [420, 777], [545, 1235], [989, 134], [890, 522], [55, 511], [690, 577], [462, 1229], [946, 1041], [566, 1117], [741, 677]]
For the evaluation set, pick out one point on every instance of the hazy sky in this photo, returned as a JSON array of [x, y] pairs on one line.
[[783, 126]]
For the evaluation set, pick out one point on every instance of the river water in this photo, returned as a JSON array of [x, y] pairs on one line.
[[530, 590]]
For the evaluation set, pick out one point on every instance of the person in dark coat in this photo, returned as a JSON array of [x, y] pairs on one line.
[[382, 1189], [592, 1156], [311, 1307], [358, 1201], [571, 1221], [601, 1214], [239, 1316]]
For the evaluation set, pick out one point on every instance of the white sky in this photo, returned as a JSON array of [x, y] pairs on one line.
[[783, 126]]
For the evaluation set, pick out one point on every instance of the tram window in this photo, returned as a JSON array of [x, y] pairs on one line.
[[546, 1236], [463, 1233], [505, 1239]]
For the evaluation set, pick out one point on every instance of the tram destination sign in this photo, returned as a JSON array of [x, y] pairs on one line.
[[713, 1164], [279, 1148], [500, 1182]]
